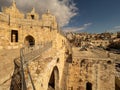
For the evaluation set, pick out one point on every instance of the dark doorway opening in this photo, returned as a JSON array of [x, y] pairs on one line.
[[29, 41], [14, 36], [117, 83], [88, 86], [54, 80]]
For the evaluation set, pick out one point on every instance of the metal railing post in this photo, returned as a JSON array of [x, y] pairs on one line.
[[30, 55], [33, 86], [23, 83]]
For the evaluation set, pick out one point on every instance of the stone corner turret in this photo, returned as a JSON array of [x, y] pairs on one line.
[[49, 20]]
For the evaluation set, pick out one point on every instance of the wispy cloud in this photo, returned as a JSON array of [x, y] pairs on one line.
[[117, 27], [64, 10], [77, 29], [114, 29]]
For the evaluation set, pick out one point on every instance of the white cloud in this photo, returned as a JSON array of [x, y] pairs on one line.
[[117, 27], [77, 29], [114, 29], [64, 10], [87, 24]]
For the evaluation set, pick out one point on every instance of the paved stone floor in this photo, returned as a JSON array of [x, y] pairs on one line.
[[7, 67]]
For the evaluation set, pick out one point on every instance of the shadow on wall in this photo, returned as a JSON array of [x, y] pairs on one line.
[[16, 78], [69, 58]]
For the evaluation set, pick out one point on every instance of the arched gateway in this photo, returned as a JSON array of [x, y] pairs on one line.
[[29, 41], [54, 80]]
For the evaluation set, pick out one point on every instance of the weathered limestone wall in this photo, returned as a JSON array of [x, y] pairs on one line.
[[11, 18], [100, 73], [44, 77], [7, 67]]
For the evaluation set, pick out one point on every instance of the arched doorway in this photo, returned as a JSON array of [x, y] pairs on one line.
[[88, 86], [29, 40], [54, 80]]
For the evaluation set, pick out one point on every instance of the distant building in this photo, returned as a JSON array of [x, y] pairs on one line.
[[118, 34], [103, 43]]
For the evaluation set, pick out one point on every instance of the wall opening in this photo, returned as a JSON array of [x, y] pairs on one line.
[[88, 86], [29, 40], [82, 63], [117, 83], [32, 17], [109, 62], [14, 36], [54, 80]]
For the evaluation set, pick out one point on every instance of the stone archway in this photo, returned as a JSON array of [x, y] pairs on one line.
[[54, 80], [29, 40]]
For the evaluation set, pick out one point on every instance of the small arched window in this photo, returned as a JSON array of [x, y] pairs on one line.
[[82, 63]]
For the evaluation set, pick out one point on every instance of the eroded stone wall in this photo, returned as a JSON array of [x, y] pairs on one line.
[[13, 25], [91, 74]]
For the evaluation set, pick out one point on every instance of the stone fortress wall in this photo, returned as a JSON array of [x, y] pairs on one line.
[[90, 71], [17, 31], [82, 73]]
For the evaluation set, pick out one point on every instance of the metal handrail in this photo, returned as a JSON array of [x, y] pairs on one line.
[[30, 78], [36, 52], [22, 70], [27, 55]]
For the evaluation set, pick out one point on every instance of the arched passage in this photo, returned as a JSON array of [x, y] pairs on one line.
[[29, 40], [88, 86], [54, 80]]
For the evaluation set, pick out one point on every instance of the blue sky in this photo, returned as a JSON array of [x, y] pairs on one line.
[[94, 16], [102, 15]]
